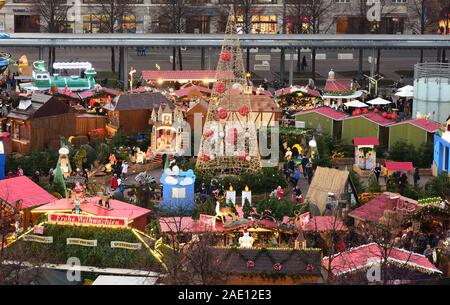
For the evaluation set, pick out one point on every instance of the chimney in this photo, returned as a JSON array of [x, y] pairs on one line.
[[392, 201]]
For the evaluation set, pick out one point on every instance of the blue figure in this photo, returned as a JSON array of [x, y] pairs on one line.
[[178, 191], [2, 161]]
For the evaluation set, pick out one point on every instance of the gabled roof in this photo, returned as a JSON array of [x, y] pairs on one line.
[[93, 92], [136, 101], [325, 111], [326, 180], [365, 256], [427, 125], [303, 262], [23, 188], [373, 117], [37, 101], [188, 75], [119, 208], [324, 224], [337, 86], [374, 209]]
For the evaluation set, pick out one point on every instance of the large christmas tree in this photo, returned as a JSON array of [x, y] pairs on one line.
[[229, 142]]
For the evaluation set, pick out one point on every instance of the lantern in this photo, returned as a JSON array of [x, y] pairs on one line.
[[226, 56], [394, 116], [222, 113], [244, 110], [220, 87], [384, 114], [366, 110], [376, 110], [354, 112]]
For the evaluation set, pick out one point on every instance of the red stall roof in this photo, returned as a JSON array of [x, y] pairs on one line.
[[119, 208], [189, 75], [427, 125], [186, 91], [324, 223], [23, 188], [365, 256], [366, 141], [399, 166], [337, 86], [374, 209], [326, 111], [378, 119]]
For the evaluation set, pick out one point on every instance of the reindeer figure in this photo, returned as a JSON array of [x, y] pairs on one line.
[[222, 213]]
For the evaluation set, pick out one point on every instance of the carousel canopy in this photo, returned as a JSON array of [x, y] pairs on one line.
[[294, 89], [356, 104], [378, 101]]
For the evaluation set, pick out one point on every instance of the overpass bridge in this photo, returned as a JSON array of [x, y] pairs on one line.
[[287, 43]]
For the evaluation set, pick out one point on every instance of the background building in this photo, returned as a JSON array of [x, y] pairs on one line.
[[209, 16]]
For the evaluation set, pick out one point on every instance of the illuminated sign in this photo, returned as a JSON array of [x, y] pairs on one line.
[[87, 220]]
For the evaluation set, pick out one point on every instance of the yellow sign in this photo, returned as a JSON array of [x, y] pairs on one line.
[[39, 239], [82, 242], [125, 245]]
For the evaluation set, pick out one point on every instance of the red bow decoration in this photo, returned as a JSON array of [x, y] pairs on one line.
[[222, 113], [277, 267], [208, 133], [250, 264], [244, 110], [226, 56], [220, 87], [205, 157]]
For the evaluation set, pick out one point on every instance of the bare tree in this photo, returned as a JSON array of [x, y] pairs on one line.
[[53, 13], [172, 18], [111, 15]]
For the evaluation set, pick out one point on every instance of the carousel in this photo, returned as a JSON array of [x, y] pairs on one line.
[[297, 98]]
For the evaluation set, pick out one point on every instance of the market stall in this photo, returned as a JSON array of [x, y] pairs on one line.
[[297, 98], [365, 154]]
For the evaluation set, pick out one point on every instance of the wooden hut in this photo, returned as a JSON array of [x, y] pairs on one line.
[[370, 125], [328, 181], [325, 119], [415, 132], [131, 112], [39, 122]]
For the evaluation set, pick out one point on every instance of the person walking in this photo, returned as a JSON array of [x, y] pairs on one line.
[[416, 177], [114, 183], [304, 63], [19, 171], [304, 163], [298, 194], [124, 169], [377, 172]]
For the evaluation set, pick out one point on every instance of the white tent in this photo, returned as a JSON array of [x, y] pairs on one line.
[[379, 101], [356, 104], [406, 91]]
